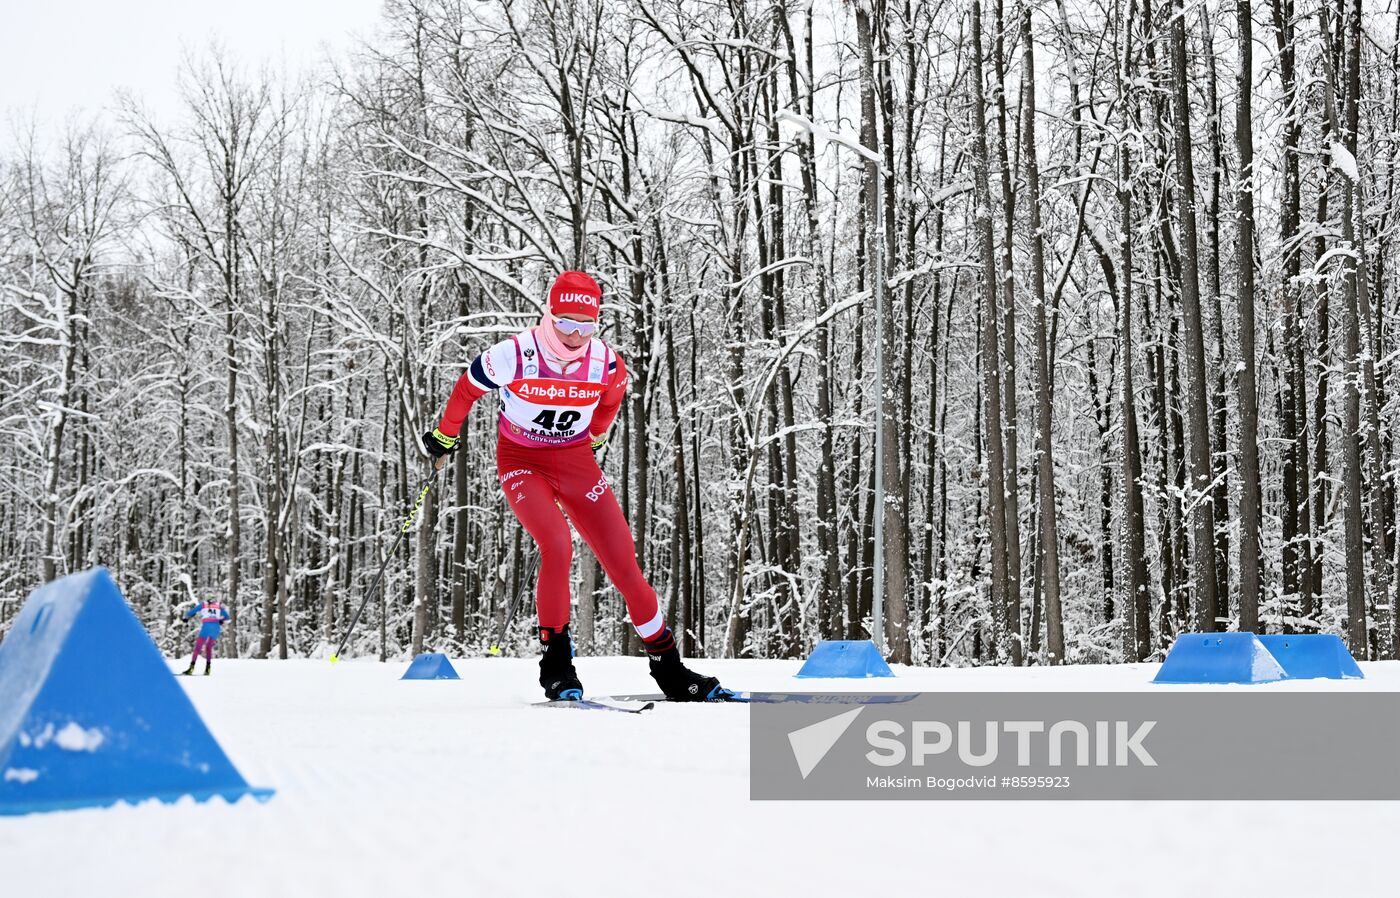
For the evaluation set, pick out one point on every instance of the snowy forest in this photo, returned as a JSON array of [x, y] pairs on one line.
[[1097, 293]]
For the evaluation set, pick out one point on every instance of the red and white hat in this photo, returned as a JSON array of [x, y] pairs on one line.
[[574, 293]]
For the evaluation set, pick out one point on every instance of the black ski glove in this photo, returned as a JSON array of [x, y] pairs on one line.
[[438, 443]]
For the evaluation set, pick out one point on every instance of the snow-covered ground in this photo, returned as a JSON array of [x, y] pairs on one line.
[[392, 788]]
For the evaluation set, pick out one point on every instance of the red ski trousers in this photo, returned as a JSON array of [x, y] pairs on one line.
[[533, 480]]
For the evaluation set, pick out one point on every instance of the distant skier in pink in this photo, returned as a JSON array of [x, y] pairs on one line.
[[212, 617]]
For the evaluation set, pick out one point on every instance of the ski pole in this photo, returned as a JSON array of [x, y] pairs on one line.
[[495, 649], [422, 494]]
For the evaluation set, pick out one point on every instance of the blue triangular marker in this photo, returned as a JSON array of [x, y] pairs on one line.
[[430, 666], [90, 713], [1219, 658], [845, 658], [1309, 656]]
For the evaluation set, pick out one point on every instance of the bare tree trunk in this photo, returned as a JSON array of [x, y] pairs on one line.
[[1371, 399], [736, 630], [272, 575], [425, 587], [682, 580], [698, 620], [1298, 587], [1248, 398], [53, 454], [590, 578], [895, 540], [828, 593], [1137, 633], [1213, 326], [1198, 444], [1007, 359], [1045, 462], [1358, 630], [991, 376], [1320, 481]]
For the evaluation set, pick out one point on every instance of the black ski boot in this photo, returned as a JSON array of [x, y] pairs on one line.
[[208, 663], [557, 674], [678, 682], [189, 671]]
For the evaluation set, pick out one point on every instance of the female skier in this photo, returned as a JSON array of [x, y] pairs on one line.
[[212, 616], [560, 389]]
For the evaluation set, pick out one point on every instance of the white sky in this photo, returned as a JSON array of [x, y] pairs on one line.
[[64, 57]]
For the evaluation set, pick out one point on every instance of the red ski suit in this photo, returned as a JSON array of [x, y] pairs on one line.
[[550, 410]]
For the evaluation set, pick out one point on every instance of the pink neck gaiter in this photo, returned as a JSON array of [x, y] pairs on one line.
[[548, 336]]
